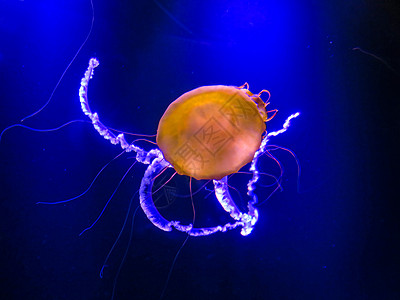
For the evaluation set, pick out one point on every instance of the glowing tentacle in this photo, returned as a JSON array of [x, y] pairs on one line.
[[251, 185], [142, 155], [246, 220], [147, 204]]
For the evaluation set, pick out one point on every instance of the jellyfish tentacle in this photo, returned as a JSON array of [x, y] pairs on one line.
[[94, 117], [103, 130], [244, 86], [264, 91], [251, 185], [246, 220], [221, 190], [145, 194], [275, 111], [285, 126]]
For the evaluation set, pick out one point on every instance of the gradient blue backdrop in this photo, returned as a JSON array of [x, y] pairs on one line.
[[338, 238]]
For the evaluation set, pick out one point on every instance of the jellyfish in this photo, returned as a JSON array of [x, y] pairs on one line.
[[207, 133]]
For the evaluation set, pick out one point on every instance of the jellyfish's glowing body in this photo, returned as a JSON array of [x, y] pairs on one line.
[[211, 132], [207, 133]]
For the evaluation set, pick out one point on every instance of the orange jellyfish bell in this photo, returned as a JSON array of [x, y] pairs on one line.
[[212, 131]]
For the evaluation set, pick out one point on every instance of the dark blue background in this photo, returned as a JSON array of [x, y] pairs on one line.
[[338, 238]]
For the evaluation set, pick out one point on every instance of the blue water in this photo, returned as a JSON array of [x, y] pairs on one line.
[[334, 237]]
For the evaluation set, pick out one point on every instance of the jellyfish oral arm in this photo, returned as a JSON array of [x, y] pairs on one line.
[[142, 156], [94, 117], [251, 186], [155, 159], [245, 220], [147, 204]]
